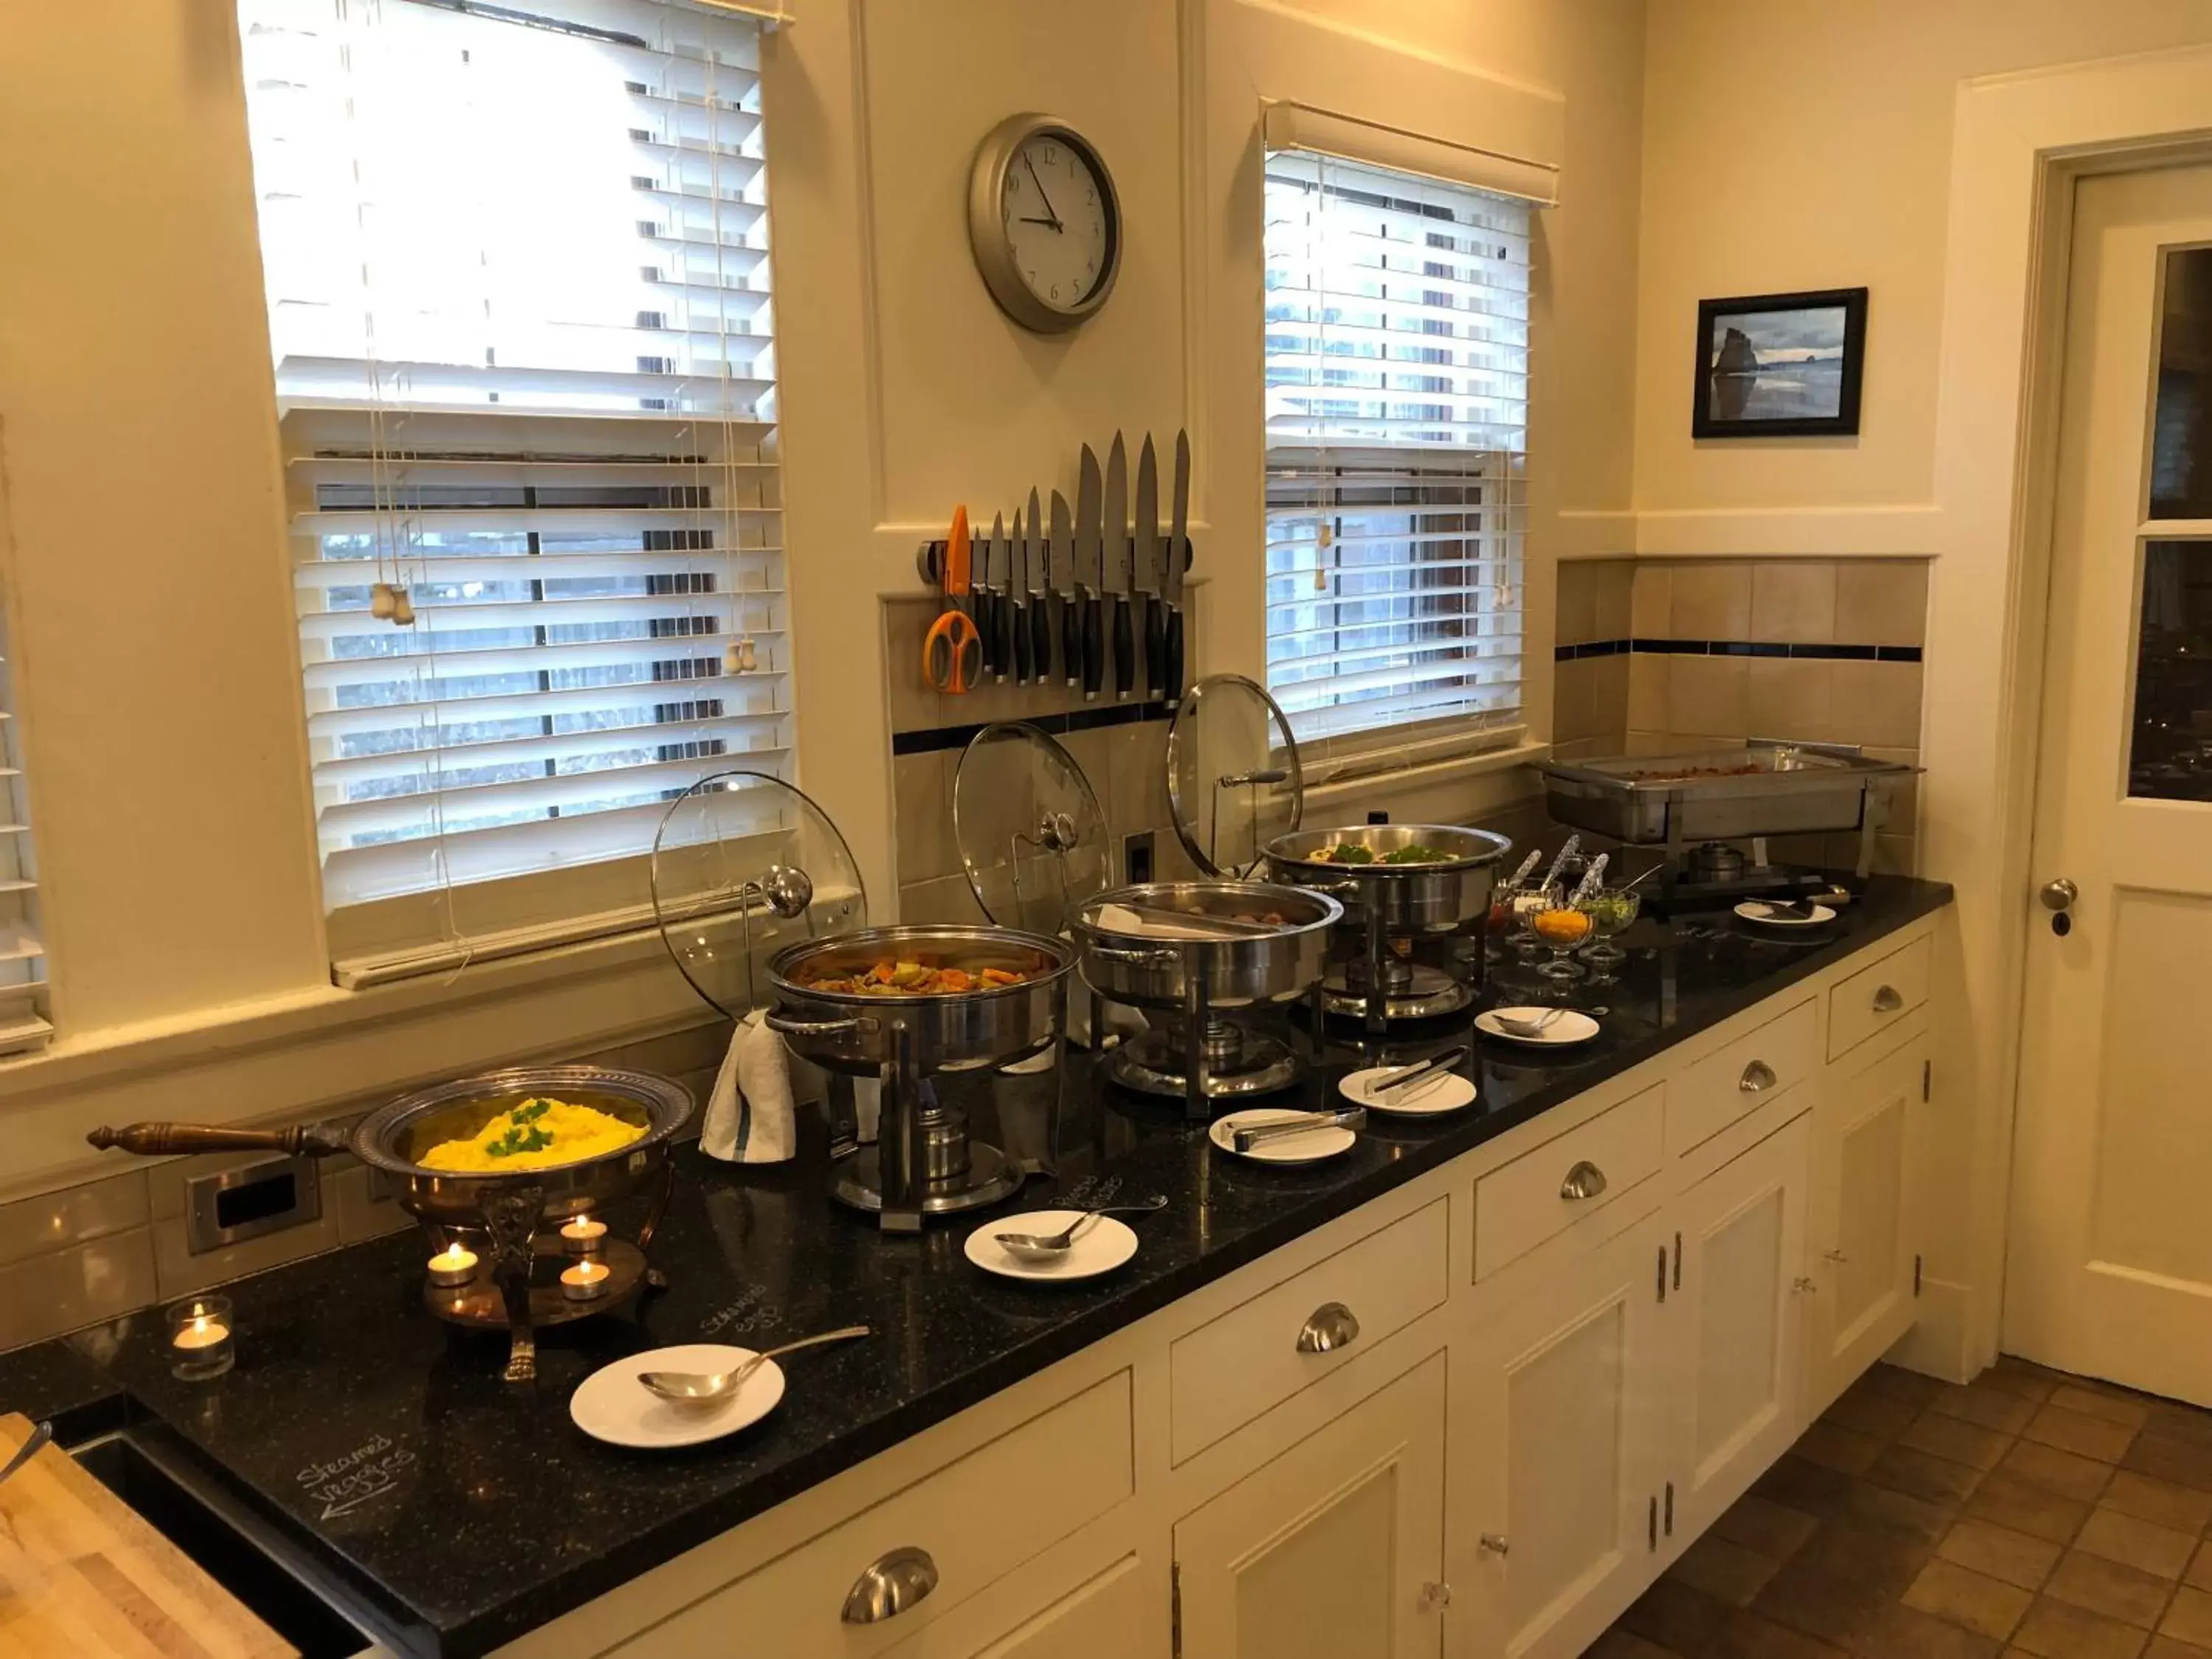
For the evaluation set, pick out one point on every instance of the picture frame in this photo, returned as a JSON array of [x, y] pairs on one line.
[[1780, 365]]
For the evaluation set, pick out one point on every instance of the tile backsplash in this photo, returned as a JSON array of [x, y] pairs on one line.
[[1716, 651], [94, 1252]]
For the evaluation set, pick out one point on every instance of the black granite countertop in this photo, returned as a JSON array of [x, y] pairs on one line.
[[467, 1510]]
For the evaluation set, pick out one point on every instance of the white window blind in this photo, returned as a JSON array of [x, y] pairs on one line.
[[1397, 399], [517, 281], [24, 1022]]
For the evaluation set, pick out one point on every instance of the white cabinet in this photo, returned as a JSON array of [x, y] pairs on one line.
[[1334, 1549], [1863, 1266], [1555, 1452], [1734, 1332], [1114, 1611]]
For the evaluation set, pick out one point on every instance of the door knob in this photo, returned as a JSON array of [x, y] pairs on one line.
[[2059, 894]]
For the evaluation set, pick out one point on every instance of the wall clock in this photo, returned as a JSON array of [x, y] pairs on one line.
[[1044, 222]]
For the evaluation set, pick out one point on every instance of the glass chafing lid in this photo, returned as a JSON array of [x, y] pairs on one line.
[[1032, 838], [743, 865], [1234, 783]]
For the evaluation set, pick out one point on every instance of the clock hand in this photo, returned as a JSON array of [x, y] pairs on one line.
[[1054, 221], [1027, 220]]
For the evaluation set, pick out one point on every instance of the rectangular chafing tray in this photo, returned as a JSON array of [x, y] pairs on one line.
[[1768, 788]]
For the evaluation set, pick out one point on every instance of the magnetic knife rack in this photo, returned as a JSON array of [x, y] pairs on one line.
[[929, 560]]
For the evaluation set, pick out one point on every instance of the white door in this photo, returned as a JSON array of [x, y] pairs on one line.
[[1556, 1442], [1734, 1327], [1333, 1551], [2110, 1260], [1865, 1265]]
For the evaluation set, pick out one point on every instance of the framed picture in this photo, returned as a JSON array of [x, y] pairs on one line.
[[1780, 365]]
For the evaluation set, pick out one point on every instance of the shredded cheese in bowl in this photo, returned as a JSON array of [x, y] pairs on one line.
[[538, 1134]]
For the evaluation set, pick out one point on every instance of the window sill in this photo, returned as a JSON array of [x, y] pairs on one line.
[[1368, 784]]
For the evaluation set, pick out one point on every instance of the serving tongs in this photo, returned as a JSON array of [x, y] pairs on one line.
[[1415, 1079], [1234, 926], [1351, 1117]]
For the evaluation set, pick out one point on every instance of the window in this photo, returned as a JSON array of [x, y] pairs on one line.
[[518, 282], [1397, 399], [23, 1011]]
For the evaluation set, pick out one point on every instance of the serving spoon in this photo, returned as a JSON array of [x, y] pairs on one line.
[[1049, 1247], [704, 1388]]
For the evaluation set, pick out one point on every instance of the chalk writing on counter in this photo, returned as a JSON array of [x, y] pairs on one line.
[[355, 1478], [751, 1311], [1091, 1193]]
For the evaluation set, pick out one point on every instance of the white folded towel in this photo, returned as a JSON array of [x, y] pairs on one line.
[[749, 1117]]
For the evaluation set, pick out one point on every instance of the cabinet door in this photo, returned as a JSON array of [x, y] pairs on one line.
[[1333, 1551], [1734, 1327], [1865, 1164], [1555, 1442], [1116, 1611]]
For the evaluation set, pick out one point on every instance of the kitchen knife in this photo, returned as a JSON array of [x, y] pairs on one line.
[[1002, 601], [1090, 568], [1145, 565], [1014, 619], [1059, 577], [1172, 578], [985, 608], [1115, 575], [1032, 578]]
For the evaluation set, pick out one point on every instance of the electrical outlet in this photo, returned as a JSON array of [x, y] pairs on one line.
[[251, 1202], [1136, 857]]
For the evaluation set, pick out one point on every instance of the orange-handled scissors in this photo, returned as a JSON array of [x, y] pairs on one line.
[[953, 650]]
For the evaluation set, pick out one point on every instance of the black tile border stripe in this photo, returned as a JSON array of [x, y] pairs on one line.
[[1651, 648], [932, 739]]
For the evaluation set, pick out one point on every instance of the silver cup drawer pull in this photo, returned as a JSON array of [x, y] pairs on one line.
[[1585, 1180], [1887, 1000], [1329, 1326], [888, 1585], [1757, 1078]]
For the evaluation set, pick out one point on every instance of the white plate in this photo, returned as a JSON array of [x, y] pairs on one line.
[[1569, 1028], [1103, 1246], [1755, 910], [613, 1406], [1446, 1092], [1307, 1148]]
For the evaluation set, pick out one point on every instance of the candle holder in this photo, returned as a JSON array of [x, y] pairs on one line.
[[587, 1282], [452, 1267], [583, 1237], [201, 1338]]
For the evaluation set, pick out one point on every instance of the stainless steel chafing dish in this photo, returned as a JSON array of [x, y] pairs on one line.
[[1201, 1056], [514, 1214], [1383, 902], [924, 1162]]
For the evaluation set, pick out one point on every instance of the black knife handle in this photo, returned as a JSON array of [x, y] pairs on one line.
[[1156, 645], [1039, 638], [1171, 654], [1070, 638], [987, 628], [1094, 644], [1002, 619], [1125, 647], [1017, 612]]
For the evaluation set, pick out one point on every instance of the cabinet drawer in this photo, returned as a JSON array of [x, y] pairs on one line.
[[1059, 1470], [1740, 1077], [1878, 996], [1519, 1206], [1226, 1373]]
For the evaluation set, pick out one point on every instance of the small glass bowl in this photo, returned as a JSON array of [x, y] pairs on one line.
[[1562, 929], [1612, 910], [202, 1342]]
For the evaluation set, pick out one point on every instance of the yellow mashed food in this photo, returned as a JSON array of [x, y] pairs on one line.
[[535, 1135]]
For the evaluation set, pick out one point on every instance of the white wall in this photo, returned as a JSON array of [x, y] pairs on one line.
[[151, 602]]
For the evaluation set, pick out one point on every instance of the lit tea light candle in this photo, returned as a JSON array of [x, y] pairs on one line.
[[587, 1279], [453, 1266], [583, 1235], [200, 1343]]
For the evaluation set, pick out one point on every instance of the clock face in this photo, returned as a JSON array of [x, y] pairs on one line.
[[1056, 209]]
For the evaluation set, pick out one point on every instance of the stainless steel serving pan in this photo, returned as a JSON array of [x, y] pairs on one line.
[[859, 1033], [394, 1136], [1434, 898], [1237, 970], [1718, 794]]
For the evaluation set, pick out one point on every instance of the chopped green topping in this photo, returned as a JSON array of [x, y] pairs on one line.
[[1351, 853], [530, 1111], [523, 1135]]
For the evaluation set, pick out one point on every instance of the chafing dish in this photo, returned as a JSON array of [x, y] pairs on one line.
[[1426, 905], [924, 1162], [1202, 1056], [516, 1214]]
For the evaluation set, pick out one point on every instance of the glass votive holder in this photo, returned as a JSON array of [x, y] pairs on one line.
[[202, 1331]]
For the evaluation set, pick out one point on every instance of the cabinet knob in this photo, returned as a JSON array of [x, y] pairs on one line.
[[1330, 1326], [1434, 1596], [1835, 1257], [1492, 1543], [2058, 894], [1757, 1078], [1886, 1000], [1804, 1287], [888, 1585], [1585, 1180]]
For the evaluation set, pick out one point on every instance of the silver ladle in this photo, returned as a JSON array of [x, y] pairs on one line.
[[704, 1388], [1050, 1247]]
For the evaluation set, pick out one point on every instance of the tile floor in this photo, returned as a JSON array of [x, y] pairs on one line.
[[2029, 1512]]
